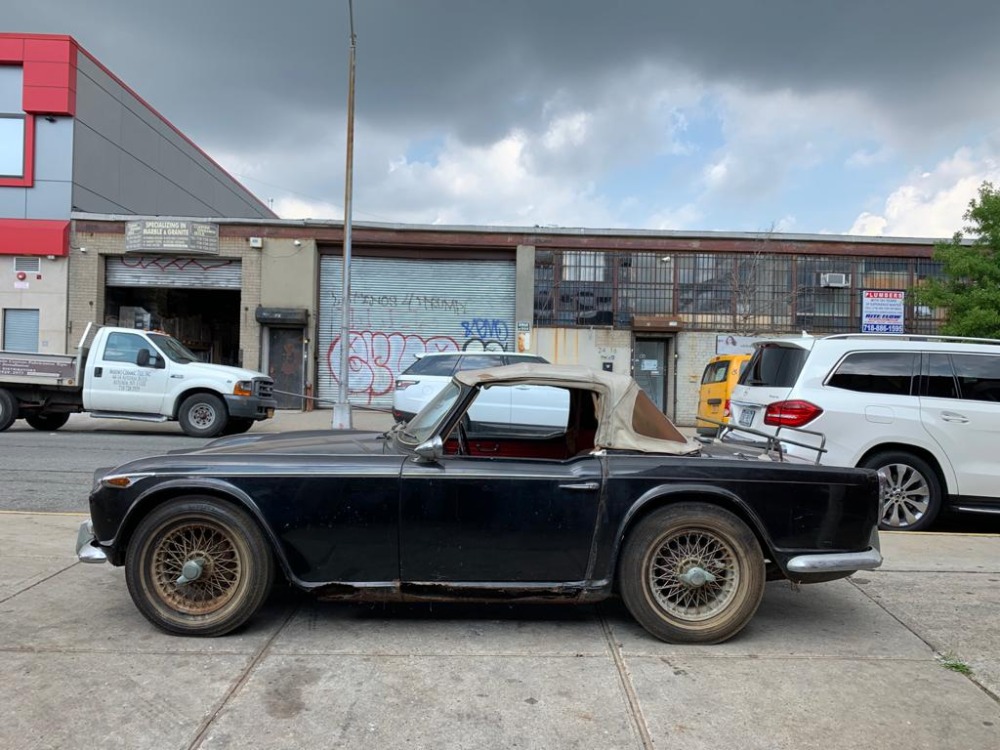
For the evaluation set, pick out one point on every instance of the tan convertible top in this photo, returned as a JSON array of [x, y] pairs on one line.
[[623, 423]]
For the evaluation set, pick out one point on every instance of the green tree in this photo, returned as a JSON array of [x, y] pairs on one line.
[[969, 290]]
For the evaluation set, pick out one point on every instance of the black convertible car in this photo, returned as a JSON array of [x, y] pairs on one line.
[[600, 495]]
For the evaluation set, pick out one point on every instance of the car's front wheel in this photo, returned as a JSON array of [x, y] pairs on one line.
[[912, 494], [203, 415], [692, 573], [198, 566]]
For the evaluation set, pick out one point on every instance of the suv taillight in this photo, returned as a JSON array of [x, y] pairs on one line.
[[725, 410], [402, 385], [791, 413]]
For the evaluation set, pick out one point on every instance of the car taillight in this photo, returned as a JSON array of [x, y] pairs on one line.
[[402, 385], [791, 413], [725, 410]]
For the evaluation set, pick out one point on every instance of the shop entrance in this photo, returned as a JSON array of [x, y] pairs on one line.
[[285, 357], [206, 321], [650, 368]]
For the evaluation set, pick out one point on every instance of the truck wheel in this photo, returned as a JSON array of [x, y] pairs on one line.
[[203, 415], [913, 496], [197, 566], [692, 573], [47, 421], [8, 409]]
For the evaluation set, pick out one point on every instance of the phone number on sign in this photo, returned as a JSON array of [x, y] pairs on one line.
[[881, 328]]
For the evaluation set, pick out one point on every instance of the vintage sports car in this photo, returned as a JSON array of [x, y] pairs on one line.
[[617, 501]]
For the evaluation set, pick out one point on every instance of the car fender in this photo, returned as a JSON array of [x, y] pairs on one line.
[[666, 494], [153, 496]]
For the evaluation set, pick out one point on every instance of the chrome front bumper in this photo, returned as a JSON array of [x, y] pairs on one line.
[[837, 562], [86, 548]]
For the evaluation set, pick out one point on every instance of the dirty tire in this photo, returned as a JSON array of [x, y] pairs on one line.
[[671, 542], [236, 575], [238, 425], [203, 415], [913, 493], [8, 409], [47, 421]]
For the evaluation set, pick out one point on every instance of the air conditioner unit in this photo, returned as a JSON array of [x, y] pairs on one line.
[[836, 280], [257, 242]]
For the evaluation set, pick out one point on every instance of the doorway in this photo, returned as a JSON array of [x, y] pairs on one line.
[[284, 359], [650, 365]]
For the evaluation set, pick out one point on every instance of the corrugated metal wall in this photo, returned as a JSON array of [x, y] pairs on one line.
[[402, 307], [205, 272]]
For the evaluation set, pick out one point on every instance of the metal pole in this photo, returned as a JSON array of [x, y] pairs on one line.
[[342, 409]]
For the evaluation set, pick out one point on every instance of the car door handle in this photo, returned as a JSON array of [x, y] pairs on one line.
[[950, 416], [585, 486], [98, 371], [714, 401]]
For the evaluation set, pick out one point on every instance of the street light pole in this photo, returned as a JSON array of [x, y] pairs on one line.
[[342, 409]]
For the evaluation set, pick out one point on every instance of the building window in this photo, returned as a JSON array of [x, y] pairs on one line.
[[11, 145]]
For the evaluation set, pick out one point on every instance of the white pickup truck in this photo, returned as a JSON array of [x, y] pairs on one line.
[[127, 373]]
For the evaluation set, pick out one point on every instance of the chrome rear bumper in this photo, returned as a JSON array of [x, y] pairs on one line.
[[836, 562]]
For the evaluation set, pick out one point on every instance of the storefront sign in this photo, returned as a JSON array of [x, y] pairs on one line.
[[881, 312], [171, 236]]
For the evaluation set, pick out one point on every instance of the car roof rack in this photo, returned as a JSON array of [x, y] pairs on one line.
[[912, 337]]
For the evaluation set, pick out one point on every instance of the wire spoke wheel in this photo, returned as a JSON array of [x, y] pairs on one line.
[[692, 573], [217, 555], [198, 566], [682, 552]]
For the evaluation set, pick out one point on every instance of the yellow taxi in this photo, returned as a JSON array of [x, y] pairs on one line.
[[717, 383]]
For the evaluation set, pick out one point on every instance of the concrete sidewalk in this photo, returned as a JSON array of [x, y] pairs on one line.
[[848, 664]]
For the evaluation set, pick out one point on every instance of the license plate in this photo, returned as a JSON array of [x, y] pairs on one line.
[[746, 417]]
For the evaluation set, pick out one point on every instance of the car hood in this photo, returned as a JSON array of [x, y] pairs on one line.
[[317, 442], [236, 373]]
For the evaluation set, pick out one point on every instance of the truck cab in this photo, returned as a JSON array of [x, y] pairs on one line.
[[130, 373]]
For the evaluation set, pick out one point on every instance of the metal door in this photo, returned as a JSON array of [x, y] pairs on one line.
[[649, 368], [286, 365]]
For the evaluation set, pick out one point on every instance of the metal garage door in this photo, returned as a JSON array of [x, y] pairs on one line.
[[174, 272], [20, 330], [402, 307]]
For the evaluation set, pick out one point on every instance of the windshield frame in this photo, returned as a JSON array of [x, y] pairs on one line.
[[428, 420], [172, 349]]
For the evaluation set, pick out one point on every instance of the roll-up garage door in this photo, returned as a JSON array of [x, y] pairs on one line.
[[20, 330], [173, 272], [402, 307]]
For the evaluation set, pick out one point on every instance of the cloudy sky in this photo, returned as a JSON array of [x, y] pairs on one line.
[[853, 117]]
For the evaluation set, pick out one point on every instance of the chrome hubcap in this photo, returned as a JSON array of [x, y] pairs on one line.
[[907, 496], [693, 574], [203, 415]]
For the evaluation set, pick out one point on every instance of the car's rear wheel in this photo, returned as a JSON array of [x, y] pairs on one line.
[[198, 566], [692, 573], [8, 409], [913, 497], [47, 421]]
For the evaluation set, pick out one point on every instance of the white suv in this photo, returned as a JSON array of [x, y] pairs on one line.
[[424, 379], [922, 410]]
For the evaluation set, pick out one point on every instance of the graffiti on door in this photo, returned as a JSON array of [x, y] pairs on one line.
[[485, 335], [375, 358]]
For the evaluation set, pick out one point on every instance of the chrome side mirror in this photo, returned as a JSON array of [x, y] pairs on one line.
[[431, 450]]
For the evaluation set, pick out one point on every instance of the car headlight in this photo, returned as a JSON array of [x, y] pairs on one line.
[[243, 388]]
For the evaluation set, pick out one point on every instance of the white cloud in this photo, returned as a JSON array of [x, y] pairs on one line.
[[932, 203]]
